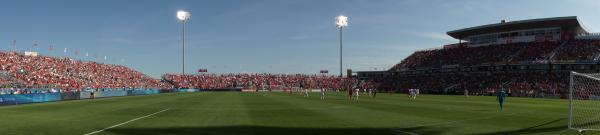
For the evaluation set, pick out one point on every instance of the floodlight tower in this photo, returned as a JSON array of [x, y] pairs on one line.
[[183, 16], [341, 22]]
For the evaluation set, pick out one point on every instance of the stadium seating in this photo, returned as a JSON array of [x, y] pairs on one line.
[[477, 55], [579, 50], [525, 83], [18, 71], [261, 81]]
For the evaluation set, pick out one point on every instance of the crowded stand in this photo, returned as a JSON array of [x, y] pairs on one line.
[[527, 62], [537, 51], [264, 81], [477, 55], [522, 84], [527, 58], [20, 73], [579, 50]]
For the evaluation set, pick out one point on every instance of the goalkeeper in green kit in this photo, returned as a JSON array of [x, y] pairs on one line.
[[501, 95]]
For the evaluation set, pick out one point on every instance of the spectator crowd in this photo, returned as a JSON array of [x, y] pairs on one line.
[[505, 53], [518, 83], [18, 71], [264, 81], [522, 84]]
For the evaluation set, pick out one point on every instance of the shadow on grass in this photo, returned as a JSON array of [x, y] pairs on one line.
[[261, 130], [533, 129]]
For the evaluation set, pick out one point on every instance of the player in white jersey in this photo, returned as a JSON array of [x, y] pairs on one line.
[[412, 93], [466, 93], [306, 92], [322, 93], [356, 92], [416, 93]]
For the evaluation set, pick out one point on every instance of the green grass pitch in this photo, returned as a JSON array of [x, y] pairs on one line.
[[234, 113]]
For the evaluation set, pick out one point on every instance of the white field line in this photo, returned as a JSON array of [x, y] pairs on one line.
[[563, 131], [406, 132], [113, 126]]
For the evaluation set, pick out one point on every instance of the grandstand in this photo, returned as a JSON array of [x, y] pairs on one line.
[[20, 73], [530, 58]]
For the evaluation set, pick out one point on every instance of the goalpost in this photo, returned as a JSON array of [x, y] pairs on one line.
[[584, 101]]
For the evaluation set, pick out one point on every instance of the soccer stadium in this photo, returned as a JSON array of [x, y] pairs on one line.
[[536, 75]]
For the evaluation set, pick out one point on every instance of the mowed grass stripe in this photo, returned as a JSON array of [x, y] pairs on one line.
[[354, 115], [269, 110], [423, 108], [194, 110], [282, 113], [79, 116], [397, 109]]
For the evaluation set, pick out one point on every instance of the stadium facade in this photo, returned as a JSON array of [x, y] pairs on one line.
[[542, 46]]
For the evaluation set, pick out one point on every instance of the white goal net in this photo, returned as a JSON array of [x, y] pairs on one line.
[[584, 101]]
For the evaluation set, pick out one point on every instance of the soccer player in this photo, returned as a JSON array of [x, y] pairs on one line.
[[349, 94], [501, 95], [411, 94], [322, 93], [301, 88], [417, 91], [356, 92], [466, 93], [374, 93], [306, 91], [414, 94]]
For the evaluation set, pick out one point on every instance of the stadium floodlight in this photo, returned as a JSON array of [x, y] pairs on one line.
[[183, 16], [584, 92], [341, 22]]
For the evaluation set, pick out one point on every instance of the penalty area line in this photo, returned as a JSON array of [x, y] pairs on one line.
[[138, 118]]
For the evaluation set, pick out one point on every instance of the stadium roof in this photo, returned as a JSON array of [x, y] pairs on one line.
[[567, 23]]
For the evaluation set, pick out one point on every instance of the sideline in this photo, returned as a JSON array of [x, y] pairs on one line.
[[113, 126]]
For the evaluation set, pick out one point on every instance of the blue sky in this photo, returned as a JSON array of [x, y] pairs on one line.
[[277, 36]]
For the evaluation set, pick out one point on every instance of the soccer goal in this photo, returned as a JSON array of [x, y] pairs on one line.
[[584, 101]]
